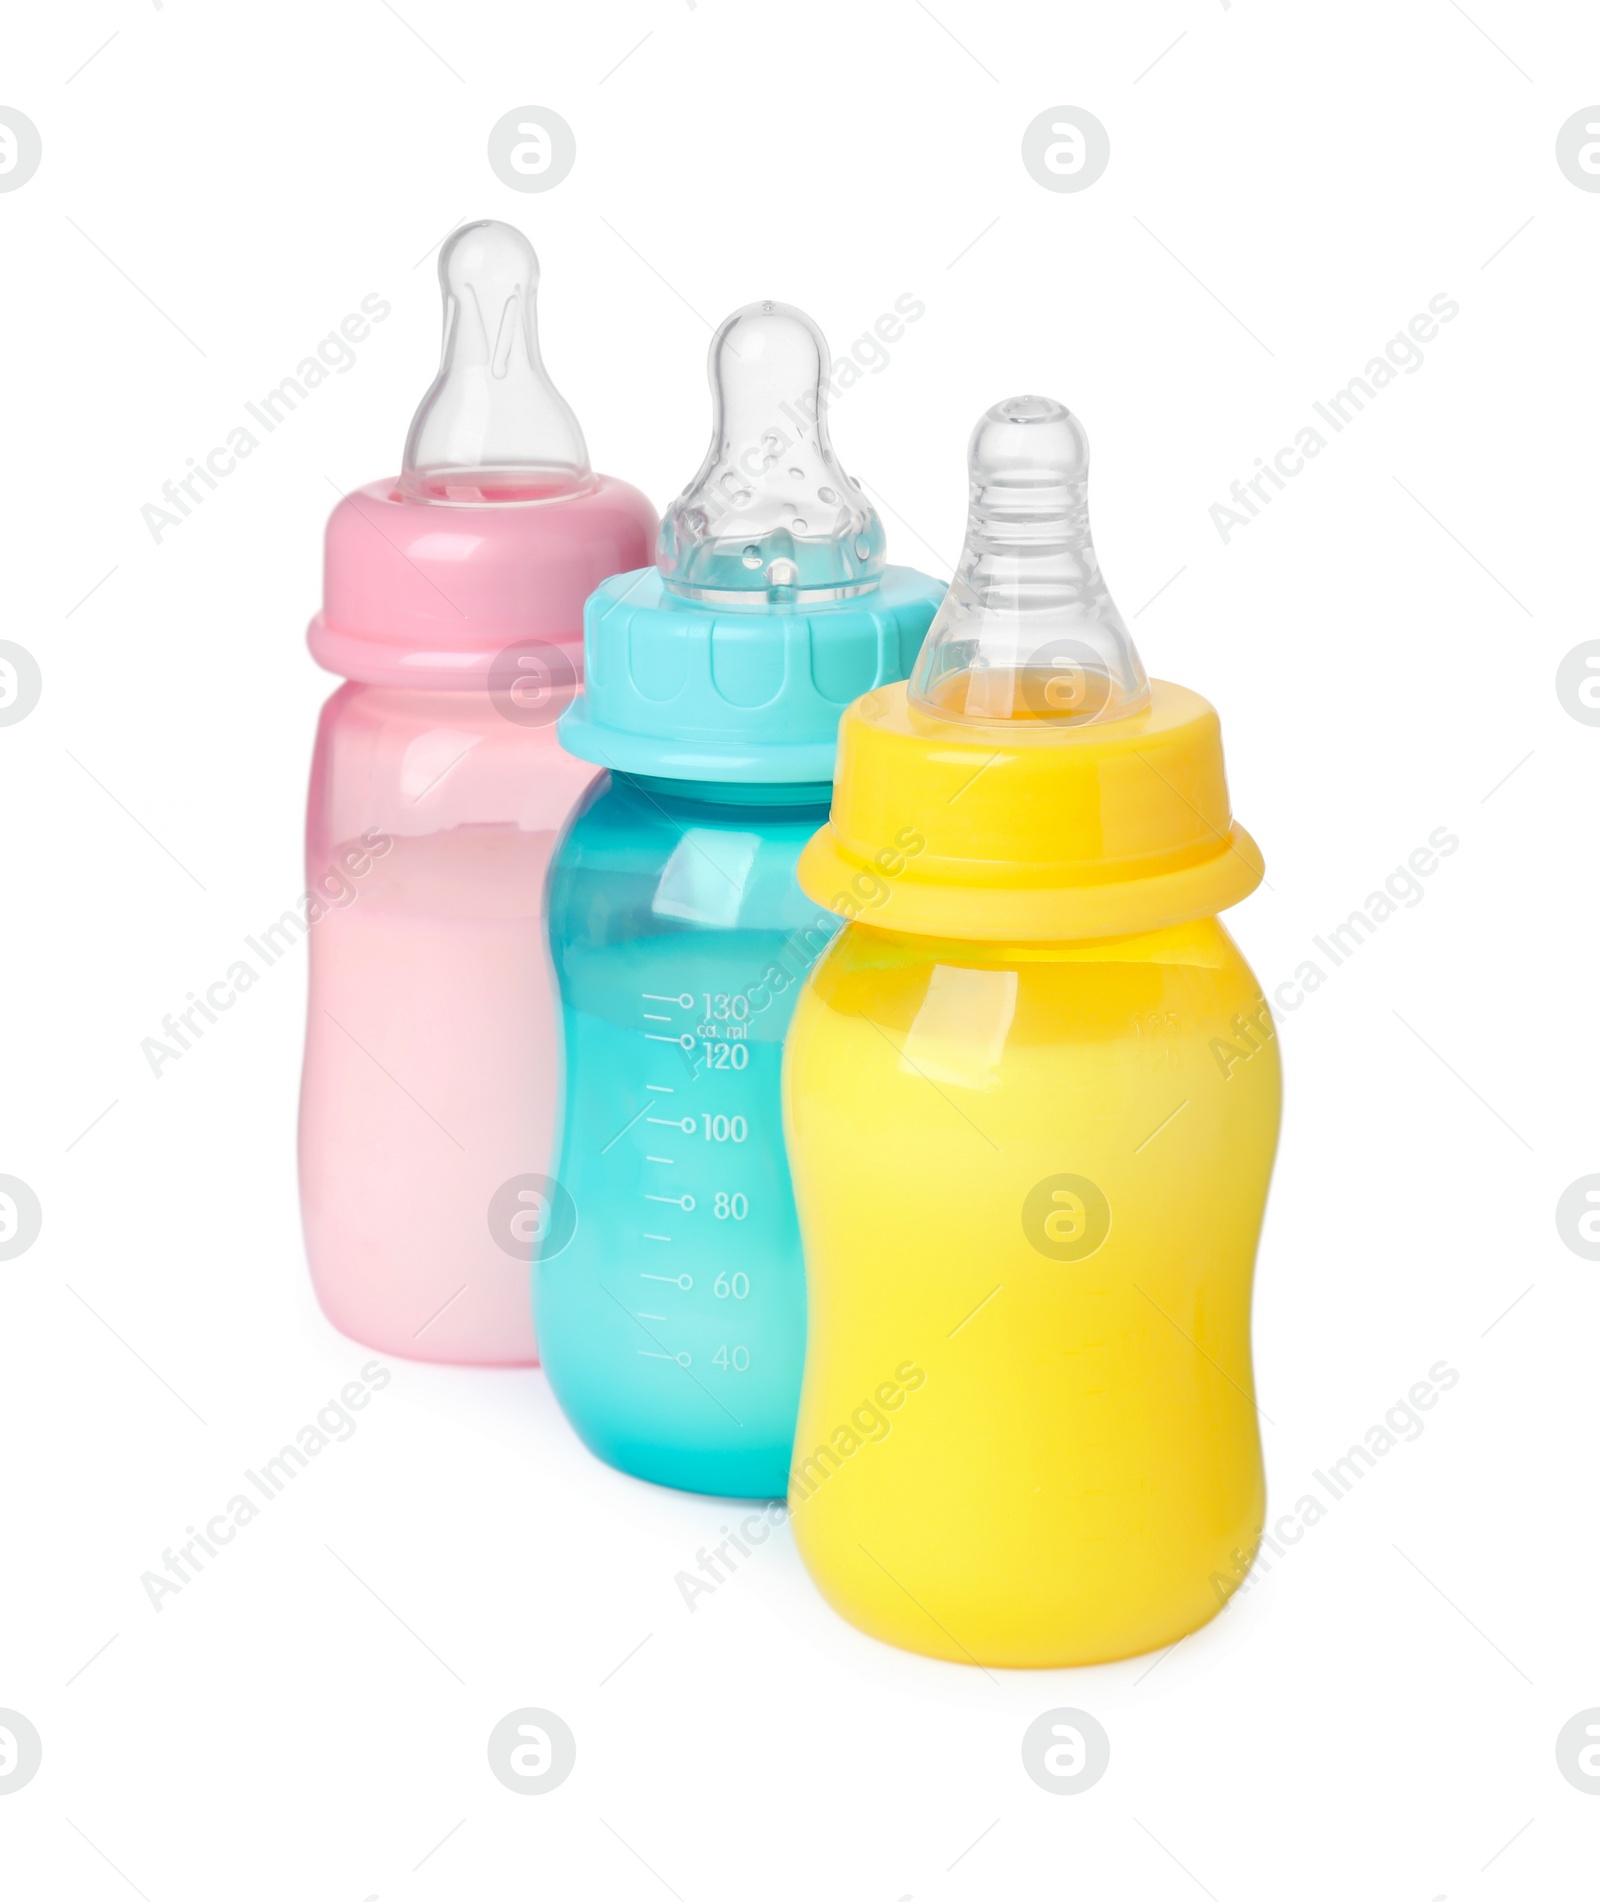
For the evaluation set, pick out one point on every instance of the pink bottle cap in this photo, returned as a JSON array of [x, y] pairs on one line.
[[497, 530]]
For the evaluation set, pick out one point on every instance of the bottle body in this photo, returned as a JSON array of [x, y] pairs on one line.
[[1031, 1180], [432, 1045], [672, 1322]]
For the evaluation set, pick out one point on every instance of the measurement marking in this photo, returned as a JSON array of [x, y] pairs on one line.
[[677, 1281], [658, 1238], [640, 1315], [657, 1017], [666, 1159], [682, 1359], [685, 1123], [647, 1353], [661, 1089], [677, 1201], [683, 1000]]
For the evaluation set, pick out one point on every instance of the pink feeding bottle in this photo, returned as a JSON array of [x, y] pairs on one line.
[[453, 606]]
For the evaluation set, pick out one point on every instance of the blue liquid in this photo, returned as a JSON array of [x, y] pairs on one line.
[[672, 1325]]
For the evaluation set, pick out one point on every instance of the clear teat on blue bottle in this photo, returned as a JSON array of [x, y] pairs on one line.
[[770, 515]]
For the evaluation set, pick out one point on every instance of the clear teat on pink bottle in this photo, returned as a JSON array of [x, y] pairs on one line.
[[453, 606]]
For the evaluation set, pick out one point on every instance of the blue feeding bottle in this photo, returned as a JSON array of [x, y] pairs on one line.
[[670, 1294]]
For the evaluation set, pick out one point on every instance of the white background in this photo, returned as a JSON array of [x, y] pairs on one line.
[[220, 186]]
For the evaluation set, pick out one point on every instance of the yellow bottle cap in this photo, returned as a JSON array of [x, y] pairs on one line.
[[1024, 832], [1030, 783]]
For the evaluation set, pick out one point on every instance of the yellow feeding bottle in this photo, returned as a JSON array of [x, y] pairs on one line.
[[1032, 1098]]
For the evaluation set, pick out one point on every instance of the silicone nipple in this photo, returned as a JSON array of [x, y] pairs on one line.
[[1028, 630], [493, 428], [770, 516]]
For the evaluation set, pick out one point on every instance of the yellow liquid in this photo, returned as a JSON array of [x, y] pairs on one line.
[[1028, 1432]]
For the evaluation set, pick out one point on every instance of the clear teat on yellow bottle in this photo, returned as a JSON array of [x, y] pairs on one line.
[[1032, 1101]]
